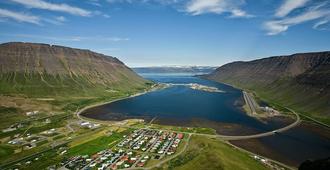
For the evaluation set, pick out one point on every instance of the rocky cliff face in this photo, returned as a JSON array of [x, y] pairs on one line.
[[301, 81], [28, 66]]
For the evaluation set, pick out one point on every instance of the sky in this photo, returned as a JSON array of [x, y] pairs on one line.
[[172, 32]]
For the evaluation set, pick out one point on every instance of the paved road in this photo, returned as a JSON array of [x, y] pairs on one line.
[[165, 160], [310, 118], [68, 126], [253, 106], [228, 137], [295, 123], [250, 102], [223, 137]]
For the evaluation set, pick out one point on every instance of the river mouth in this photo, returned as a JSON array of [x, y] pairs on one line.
[[189, 102]]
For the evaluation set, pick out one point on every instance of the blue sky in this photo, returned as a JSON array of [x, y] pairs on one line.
[[172, 32]]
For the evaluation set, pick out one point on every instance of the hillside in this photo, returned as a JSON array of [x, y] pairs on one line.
[[299, 81], [42, 70]]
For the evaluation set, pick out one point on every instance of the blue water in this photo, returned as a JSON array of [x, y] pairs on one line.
[[181, 105]]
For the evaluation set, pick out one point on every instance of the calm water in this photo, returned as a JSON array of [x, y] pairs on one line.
[[293, 146], [180, 105]]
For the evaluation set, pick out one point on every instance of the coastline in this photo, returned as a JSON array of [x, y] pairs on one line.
[[311, 119], [123, 122], [157, 86]]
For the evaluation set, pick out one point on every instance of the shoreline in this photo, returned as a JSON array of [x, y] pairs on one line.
[[291, 110], [157, 86], [124, 122]]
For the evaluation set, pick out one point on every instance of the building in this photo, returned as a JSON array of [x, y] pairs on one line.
[[31, 113], [180, 136]]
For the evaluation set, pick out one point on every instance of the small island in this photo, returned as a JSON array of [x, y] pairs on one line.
[[197, 86]]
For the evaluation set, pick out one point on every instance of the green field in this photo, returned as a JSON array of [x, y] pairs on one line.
[[9, 115], [96, 145], [209, 153], [185, 129], [6, 150]]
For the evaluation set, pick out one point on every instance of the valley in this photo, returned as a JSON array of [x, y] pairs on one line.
[[63, 116]]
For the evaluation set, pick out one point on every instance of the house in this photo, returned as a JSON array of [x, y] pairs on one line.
[[31, 113], [8, 130], [124, 158], [180, 136], [141, 164], [119, 163], [84, 123]]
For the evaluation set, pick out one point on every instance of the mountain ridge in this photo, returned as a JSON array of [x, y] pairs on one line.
[[25, 67], [300, 81]]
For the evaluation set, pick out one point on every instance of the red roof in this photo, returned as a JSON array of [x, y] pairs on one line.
[[180, 136], [114, 166], [124, 158], [141, 164]]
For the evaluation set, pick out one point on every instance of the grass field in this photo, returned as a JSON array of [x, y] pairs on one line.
[[6, 150], [95, 145], [185, 129], [209, 153], [9, 115]]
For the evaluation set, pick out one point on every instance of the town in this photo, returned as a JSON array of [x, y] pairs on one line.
[[135, 150]]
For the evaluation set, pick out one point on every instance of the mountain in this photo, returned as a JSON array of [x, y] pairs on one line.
[[299, 81], [176, 69], [49, 70]]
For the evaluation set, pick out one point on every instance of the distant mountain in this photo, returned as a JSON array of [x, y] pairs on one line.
[[176, 69], [300, 81], [47, 70]]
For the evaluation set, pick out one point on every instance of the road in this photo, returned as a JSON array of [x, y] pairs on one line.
[[250, 102], [165, 160], [310, 118], [226, 137], [295, 123], [223, 137], [68, 126]]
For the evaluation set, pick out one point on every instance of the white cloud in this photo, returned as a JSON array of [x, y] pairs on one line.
[[106, 16], [198, 7], [69, 38], [277, 26], [163, 2], [116, 39], [94, 2], [318, 11], [288, 6], [61, 18], [20, 17], [322, 25], [237, 13], [40, 4]]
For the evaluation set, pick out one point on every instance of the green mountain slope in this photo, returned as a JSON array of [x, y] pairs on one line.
[[42, 70], [299, 81]]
